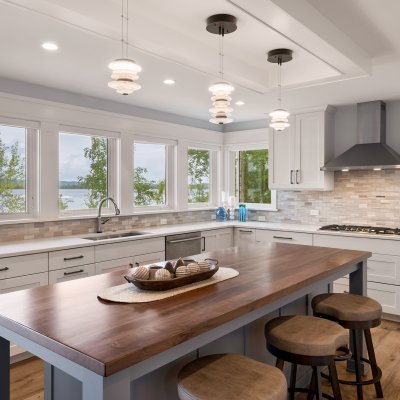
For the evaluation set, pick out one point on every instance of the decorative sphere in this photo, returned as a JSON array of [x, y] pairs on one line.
[[140, 272], [162, 275], [203, 266], [182, 271], [193, 268]]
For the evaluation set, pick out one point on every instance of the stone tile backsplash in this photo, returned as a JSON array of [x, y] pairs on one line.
[[359, 197]]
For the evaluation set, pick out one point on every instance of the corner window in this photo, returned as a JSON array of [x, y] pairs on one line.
[[150, 174], [199, 174], [16, 171], [84, 171]]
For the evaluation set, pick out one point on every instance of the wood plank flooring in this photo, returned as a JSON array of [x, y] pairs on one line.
[[27, 376]]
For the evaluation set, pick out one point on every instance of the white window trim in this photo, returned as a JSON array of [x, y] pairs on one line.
[[170, 175], [214, 178], [231, 171], [31, 146], [112, 170]]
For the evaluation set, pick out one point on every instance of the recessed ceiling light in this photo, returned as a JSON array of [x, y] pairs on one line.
[[345, 170], [240, 103], [49, 46], [169, 82], [377, 169]]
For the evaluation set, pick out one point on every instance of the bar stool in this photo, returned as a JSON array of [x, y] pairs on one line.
[[358, 314], [230, 377], [311, 341]]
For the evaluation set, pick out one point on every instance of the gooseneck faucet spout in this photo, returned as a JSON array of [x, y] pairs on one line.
[[102, 220]]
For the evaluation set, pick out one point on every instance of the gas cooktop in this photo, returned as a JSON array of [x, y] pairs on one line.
[[361, 229]]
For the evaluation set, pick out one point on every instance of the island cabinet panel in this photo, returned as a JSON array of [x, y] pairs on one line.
[[130, 248], [71, 257], [217, 239], [268, 236], [69, 274], [11, 267]]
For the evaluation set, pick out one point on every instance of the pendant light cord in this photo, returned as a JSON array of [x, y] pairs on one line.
[[124, 29], [280, 81], [127, 29], [221, 56]]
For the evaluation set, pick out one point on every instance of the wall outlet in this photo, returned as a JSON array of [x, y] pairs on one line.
[[261, 218], [314, 212], [213, 216], [163, 221]]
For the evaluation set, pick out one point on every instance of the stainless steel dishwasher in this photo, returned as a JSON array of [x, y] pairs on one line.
[[183, 245]]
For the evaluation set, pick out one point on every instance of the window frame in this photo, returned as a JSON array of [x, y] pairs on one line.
[[232, 178], [112, 169], [214, 178], [170, 175], [31, 171]]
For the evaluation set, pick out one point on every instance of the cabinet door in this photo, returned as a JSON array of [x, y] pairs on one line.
[[225, 238], [384, 268], [281, 159], [309, 150], [267, 236], [151, 258], [110, 265], [69, 274], [244, 237], [217, 239]]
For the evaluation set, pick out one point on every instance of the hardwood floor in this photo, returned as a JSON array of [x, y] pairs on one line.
[[27, 376]]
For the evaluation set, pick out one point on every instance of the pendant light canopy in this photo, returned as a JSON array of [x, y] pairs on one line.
[[221, 24], [124, 70], [279, 117]]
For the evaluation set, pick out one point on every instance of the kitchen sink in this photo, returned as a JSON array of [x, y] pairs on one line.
[[102, 236]]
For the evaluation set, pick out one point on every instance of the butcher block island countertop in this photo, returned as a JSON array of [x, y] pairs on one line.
[[107, 338]]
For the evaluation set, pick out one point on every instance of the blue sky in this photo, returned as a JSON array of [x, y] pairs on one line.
[[9, 135]]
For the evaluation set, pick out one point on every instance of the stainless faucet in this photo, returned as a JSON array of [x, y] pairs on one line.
[[102, 220]]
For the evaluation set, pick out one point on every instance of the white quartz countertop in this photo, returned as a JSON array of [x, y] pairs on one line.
[[44, 245]]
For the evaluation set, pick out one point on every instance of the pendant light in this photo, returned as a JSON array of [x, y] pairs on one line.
[[124, 70], [279, 117], [221, 24]]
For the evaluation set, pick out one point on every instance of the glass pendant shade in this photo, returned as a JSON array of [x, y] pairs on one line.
[[279, 119], [221, 100], [124, 76]]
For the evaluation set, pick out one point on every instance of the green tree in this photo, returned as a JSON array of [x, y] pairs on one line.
[[198, 175], [253, 175], [12, 176], [96, 179], [147, 192]]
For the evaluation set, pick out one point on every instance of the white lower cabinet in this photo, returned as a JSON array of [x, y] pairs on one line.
[[23, 282], [217, 239], [111, 265], [244, 237], [71, 257], [69, 274], [11, 267], [267, 236], [152, 258]]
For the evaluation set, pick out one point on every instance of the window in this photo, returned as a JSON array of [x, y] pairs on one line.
[[150, 172], [250, 184], [84, 170], [198, 176], [16, 171]]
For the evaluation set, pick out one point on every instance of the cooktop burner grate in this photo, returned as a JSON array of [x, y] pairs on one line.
[[378, 230]]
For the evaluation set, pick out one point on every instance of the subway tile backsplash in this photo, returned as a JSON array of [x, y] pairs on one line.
[[359, 197]]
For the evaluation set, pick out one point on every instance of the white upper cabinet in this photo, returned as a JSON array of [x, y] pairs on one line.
[[297, 153]]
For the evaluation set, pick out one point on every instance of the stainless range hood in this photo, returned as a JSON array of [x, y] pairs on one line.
[[371, 150]]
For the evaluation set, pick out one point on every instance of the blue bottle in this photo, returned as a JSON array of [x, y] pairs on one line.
[[221, 214]]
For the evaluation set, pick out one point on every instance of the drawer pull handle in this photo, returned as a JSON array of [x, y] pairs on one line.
[[73, 258], [4, 269], [282, 237], [73, 272], [297, 176], [245, 231]]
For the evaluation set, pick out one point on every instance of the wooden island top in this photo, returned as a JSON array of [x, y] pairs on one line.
[[68, 318]]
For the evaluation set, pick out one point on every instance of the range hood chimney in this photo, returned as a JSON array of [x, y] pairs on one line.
[[371, 151]]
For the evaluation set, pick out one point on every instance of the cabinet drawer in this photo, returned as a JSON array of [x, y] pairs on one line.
[[151, 258], [112, 251], [23, 282], [69, 274], [71, 257], [384, 268], [11, 267], [244, 236], [110, 265], [263, 235]]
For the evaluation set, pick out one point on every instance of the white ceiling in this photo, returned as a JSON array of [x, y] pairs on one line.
[[344, 51]]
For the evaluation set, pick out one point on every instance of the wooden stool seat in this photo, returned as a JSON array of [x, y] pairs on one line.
[[308, 336], [230, 377], [347, 307]]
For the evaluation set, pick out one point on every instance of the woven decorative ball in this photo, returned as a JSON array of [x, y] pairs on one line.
[[140, 272], [204, 266], [182, 271], [193, 268], [162, 275]]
